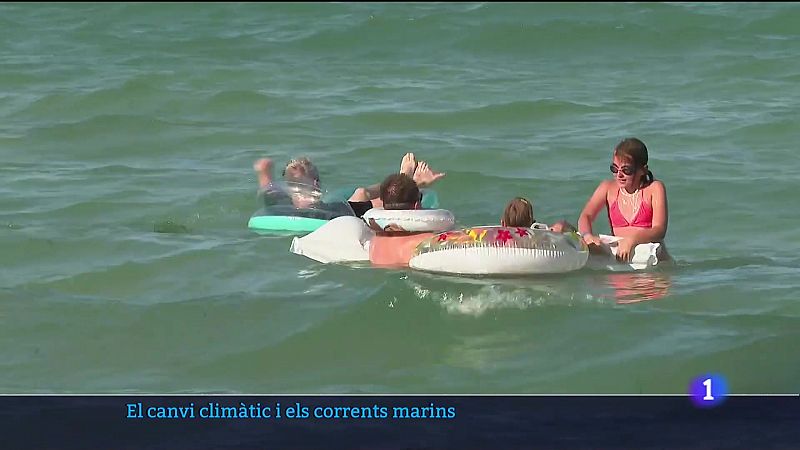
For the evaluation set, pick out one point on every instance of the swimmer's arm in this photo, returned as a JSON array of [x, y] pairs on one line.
[[265, 181], [592, 208], [365, 194], [368, 194], [263, 168]]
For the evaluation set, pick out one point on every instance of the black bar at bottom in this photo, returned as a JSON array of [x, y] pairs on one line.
[[394, 422]]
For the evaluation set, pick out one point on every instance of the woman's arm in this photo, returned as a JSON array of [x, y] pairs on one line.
[[593, 207]]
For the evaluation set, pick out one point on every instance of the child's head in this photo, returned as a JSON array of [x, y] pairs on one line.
[[301, 170], [518, 213]]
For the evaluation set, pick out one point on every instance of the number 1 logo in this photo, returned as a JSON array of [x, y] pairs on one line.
[[708, 390], [708, 396]]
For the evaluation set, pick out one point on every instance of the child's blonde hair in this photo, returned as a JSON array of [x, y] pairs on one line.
[[518, 213]]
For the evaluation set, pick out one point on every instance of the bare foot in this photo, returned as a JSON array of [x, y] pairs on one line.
[[424, 176], [408, 164]]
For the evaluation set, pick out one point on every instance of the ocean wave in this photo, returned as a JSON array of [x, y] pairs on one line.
[[492, 115]]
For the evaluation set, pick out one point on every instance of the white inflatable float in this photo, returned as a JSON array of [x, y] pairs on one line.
[[495, 250], [475, 251], [346, 239], [488, 250], [342, 239], [414, 220], [645, 256]]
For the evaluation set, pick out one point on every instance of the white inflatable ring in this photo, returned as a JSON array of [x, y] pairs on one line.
[[414, 220], [493, 250]]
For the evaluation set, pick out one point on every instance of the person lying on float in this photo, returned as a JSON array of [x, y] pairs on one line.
[[393, 245], [303, 172]]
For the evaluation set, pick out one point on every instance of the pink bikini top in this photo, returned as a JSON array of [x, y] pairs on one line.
[[643, 219]]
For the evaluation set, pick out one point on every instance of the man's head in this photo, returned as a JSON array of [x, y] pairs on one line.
[[399, 191], [301, 170]]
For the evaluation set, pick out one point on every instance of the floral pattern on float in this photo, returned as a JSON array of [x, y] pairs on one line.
[[498, 236]]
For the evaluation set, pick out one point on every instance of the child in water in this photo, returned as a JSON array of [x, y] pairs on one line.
[[519, 213]]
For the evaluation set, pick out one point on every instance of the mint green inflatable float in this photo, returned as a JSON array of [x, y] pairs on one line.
[[294, 208]]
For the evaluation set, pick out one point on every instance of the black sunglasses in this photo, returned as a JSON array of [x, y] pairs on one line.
[[627, 170]]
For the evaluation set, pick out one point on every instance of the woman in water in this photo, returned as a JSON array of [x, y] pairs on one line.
[[636, 203]]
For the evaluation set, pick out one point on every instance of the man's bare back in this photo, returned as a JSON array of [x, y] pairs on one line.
[[395, 251]]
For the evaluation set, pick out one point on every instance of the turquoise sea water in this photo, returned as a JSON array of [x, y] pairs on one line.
[[128, 132]]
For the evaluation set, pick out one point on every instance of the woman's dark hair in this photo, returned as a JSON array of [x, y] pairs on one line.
[[635, 151]]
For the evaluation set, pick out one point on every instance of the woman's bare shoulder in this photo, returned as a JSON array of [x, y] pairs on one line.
[[656, 186]]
